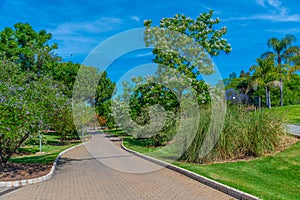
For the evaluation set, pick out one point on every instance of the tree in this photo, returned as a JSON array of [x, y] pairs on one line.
[[282, 50], [294, 63], [232, 75], [147, 109], [181, 43], [84, 88], [264, 74], [292, 90], [201, 30], [29, 48], [244, 74], [104, 92], [25, 106], [65, 73]]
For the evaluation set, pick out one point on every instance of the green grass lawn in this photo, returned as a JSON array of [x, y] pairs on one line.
[[52, 148], [134, 144], [270, 177], [291, 114]]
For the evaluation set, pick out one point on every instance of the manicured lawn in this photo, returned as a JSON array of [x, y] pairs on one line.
[[291, 114], [132, 143], [52, 148], [270, 177], [50, 155]]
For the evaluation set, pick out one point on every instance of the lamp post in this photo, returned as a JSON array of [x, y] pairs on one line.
[[40, 139]]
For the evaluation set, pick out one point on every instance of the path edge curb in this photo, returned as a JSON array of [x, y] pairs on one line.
[[206, 181], [20, 183]]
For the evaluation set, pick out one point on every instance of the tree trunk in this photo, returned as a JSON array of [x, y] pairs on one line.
[[281, 92], [6, 155], [281, 84], [268, 97]]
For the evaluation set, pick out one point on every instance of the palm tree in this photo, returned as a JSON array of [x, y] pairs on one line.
[[282, 49], [264, 74]]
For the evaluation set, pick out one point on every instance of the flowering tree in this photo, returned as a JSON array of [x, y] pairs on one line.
[[25, 106], [186, 45]]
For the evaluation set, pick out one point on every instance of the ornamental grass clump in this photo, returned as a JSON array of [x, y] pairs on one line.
[[245, 134]]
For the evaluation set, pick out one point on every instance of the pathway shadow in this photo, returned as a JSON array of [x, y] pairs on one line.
[[64, 161]]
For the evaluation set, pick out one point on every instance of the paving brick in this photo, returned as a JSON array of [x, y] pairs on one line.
[[81, 175]]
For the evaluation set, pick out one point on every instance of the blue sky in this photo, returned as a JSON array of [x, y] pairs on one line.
[[79, 26]]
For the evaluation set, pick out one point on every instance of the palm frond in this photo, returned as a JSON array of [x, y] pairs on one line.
[[267, 54], [273, 84], [293, 70]]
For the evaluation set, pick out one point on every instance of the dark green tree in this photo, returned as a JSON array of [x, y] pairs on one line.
[[65, 73], [104, 92], [27, 47]]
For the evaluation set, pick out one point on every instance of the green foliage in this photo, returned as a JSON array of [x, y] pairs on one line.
[[65, 73], [24, 106], [265, 75], [202, 30], [147, 103], [61, 119], [283, 51], [104, 92], [274, 69], [181, 43], [181, 48], [292, 90], [244, 134], [35, 89], [85, 85], [29, 48]]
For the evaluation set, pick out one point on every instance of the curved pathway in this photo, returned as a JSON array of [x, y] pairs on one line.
[[87, 172], [292, 129]]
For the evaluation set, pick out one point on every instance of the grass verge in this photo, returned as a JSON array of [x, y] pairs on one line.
[[51, 150], [291, 113], [270, 177]]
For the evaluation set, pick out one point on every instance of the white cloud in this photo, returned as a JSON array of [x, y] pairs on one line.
[[275, 12], [135, 18], [102, 25], [261, 3], [271, 17], [284, 31], [80, 37], [274, 3]]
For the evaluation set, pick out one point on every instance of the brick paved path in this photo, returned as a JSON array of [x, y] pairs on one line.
[[82, 175]]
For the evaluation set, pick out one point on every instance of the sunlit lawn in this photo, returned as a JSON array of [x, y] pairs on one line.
[[51, 150], [291, 114], [271, 177]]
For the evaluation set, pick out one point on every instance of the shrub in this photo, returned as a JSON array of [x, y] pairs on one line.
[[244, 134]]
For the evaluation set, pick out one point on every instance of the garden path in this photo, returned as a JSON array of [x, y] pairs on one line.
[[101, 169]]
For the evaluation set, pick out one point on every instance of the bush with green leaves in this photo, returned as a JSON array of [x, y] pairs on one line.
[[21, 108], [245, 134], [29, 105]]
